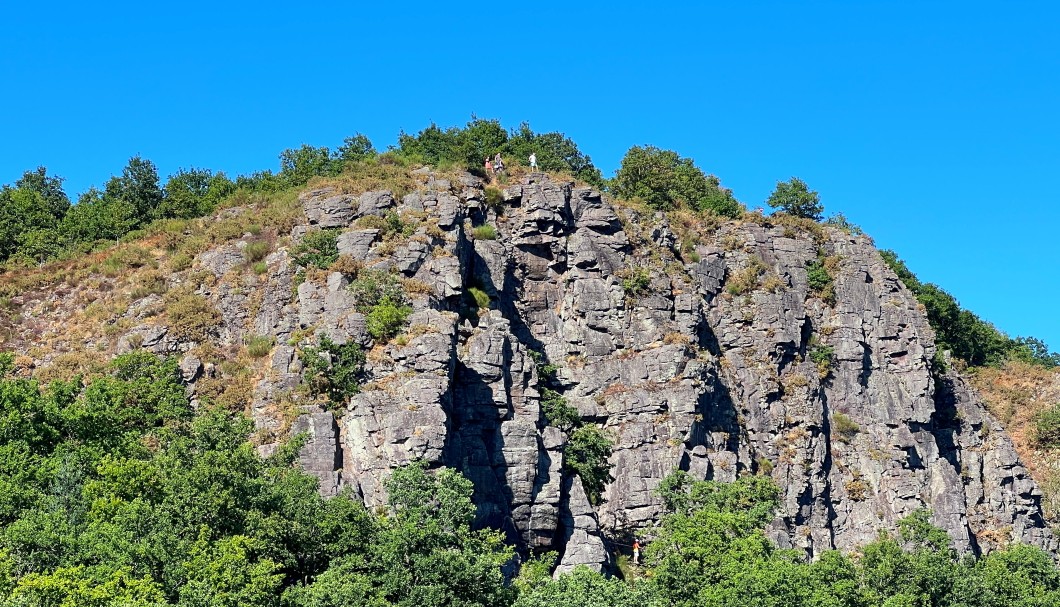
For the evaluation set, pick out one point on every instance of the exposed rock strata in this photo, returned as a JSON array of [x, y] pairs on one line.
[[683, 374]]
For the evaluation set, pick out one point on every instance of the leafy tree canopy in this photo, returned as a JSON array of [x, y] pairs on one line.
[[480, 138], [795, 198], [664, 180]]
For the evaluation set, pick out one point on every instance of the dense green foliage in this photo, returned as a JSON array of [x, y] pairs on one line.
[[588, 448], [469, 146], [378, 295], [333, 370], [319, 248], [31, 214], [664, 180], [193, 193], [710, 549], [586, 454], [117, 493], [967, 336], [794, 197]]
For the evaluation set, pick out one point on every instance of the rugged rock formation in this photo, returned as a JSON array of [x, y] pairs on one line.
[[709, 352]]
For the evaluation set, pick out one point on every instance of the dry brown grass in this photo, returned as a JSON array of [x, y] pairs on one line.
[[1015, 394], [369, 176]]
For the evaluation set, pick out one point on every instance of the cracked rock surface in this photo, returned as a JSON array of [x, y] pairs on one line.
[[712, 355]]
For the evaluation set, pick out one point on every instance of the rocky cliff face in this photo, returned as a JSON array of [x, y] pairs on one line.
[[722, 361]]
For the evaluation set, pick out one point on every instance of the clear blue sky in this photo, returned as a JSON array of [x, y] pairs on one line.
[[934, 125]]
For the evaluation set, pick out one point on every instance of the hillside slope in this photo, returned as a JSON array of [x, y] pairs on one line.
[[769, 345]]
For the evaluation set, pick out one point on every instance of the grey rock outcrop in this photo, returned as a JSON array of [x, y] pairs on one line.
[[328, 209], [707, 352]]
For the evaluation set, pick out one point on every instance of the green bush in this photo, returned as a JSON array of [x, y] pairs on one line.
[[191, 316], [586, 454], [481, 298], [257, 251], [260, 345], [484, 232], [823, 356], [180, 261], [373, 286], [840, 221], [844, 428], [317, 248], [664, 180], [260, 267], [558, 412], [1047, 427], [636, 282], [494, 198], [333, 370], [386, 318], [819, 277]]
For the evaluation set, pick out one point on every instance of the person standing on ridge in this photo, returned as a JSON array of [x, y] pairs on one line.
[[489, 168], [498, 164], [636, 552], [533, 161]]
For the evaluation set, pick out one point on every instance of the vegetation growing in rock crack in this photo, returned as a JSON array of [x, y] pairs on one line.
[[484, 232], [844, 428], [822, 355], [318, 248], [745, 280], [820, 276], [635, 281], [380, 296], [333, 370], [588, 448]]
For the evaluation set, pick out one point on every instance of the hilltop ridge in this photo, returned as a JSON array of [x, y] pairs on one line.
[[562, 351]]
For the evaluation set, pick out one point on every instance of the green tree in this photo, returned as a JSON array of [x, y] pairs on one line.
[[795, 198], [298, 166], [432, 145], [664, 180], [583, 587], [35, 205], [356, 148], [333, 370], [49, 188], [97, 217], [138, 188], [555, 152], [1034, 351], [478, 139], [711, 532], [424, 554], [193, 193], [587, 454]]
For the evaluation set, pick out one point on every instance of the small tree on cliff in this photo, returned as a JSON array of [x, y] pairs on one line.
[[794, 197]]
